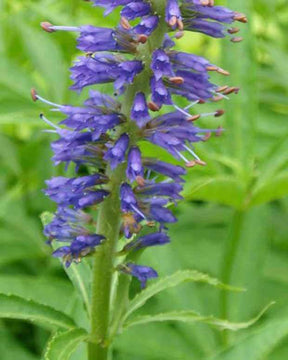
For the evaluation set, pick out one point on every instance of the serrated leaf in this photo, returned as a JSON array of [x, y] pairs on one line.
[[172, 281], [15, 307], [192, 316], [62, 345], [258, 344]]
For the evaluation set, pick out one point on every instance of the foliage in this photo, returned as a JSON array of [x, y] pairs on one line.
[[234, 226]]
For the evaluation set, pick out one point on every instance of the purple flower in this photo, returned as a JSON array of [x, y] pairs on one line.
[[149, 240], [139, 111], [91, 119], [80, 247], [135, 169], [173, 14], [97, 135], [171, 190], [142, 273], [166, 169], [182, 61], [136, 9], [161, 65], [110, 5], [116, 155], [104, 68], [127, 72], [147, 25], [161, 214], [128, 199], [78, 192], [209, 20], [93, 39], [160, 94], [77, 147]]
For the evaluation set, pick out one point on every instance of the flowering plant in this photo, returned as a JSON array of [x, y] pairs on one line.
[[119, 201]]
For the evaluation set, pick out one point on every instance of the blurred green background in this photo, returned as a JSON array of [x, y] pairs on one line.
[[233, 225]]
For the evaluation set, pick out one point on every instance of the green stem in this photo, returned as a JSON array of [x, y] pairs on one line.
[[109, 218], [108, 225], [229, 256], [121, 303]]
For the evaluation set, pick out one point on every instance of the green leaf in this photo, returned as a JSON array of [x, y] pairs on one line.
[[52, 67], [172, 281], [221, 189], [50, 291], [80, 276], [276, 188], [62, 345], [15, 307], [8, 154], [11, 349], [154, 341], [258, 344], [192, 316]]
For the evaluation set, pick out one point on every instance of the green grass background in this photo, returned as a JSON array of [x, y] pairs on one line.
[[233, 224]]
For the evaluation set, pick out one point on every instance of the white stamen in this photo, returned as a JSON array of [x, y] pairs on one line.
[[65, 28], [181, 110], [209, 114], [148, 174], [47, 101], [167, 181], [138, 211], [182, 156], [221, 95], [192, 152], [49, 131], [42, 117], [155, 178], [191, 105]]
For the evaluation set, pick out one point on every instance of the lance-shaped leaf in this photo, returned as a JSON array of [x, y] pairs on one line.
[[171, 281], [192, 317], [15, 307], [259, 344], [62, 345]]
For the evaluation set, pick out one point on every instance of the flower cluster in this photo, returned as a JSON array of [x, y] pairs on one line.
[[100, 135]]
